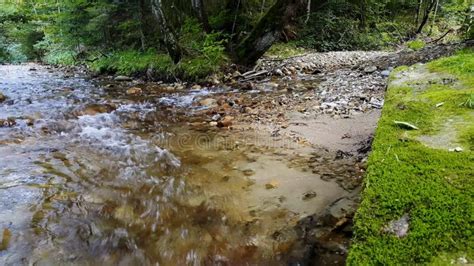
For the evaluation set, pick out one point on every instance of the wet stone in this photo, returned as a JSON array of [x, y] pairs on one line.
[[272, 185], [248, 172], [9, 122], [2, 97], [309, 195]]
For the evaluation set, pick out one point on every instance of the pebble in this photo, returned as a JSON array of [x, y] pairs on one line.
[[370, 69], [272, 185], [457, 149], [309, 195]]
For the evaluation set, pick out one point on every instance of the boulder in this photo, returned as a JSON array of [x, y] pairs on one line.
[[2, 97]]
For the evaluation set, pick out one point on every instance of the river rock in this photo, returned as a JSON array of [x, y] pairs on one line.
[[385, 73], [122, 78], [9, 122], [272, 185], [226, 121], [208, 102], [370, 69], [309, 195], [2, 97], [196, 87], [339, 211], [278, 72], [94, 109], [134, 91]]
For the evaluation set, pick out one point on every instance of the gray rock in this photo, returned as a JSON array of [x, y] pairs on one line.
[[370, 69], [2, 97], [385, 73], [122, 78], [399, 227]]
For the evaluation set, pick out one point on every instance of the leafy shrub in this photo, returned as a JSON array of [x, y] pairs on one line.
[[131, 62]]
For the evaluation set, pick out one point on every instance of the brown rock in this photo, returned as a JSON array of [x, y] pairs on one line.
[[272, 185], [196, 87], [226, 122], [9, 122], [2, 97], [208, 102], [134, 91], [93, 109]]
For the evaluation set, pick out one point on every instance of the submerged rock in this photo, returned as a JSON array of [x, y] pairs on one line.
[[94, 109], [272, 185], [2, 97], [309, 195], [9, 122], [208, 102], [226, 122]]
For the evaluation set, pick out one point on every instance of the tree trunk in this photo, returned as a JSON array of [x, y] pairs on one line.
[[363, 14], [418, 9], [268, 30], [167, 33], [200, 10], [426, 16]]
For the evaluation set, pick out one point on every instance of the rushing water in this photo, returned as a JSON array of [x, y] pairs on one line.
[[88, 188], [90, 175]]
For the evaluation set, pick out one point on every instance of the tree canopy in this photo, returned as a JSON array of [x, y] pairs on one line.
[[198, 36]]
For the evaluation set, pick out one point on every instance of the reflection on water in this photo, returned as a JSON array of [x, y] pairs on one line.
[[90, 188]]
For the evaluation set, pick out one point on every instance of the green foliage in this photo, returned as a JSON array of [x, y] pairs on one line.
[[416, 45], [433, 186], [131, 62], [205, 52], [285, 50]]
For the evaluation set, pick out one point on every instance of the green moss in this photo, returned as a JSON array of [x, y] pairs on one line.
[[416, 45], [284, 50], [433, 186]]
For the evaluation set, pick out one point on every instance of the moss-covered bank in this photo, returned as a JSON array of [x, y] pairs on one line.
[[417, 173]]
